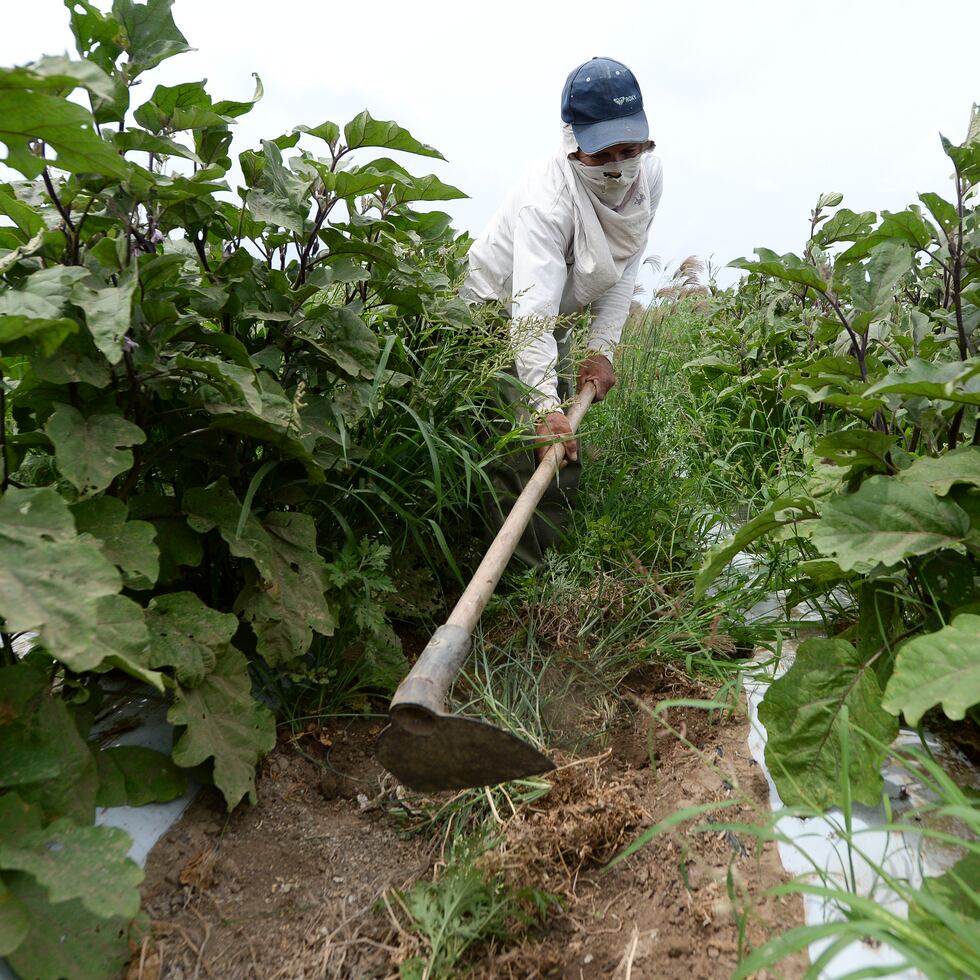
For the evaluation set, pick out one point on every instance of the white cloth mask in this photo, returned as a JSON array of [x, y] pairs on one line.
[[610, 190]]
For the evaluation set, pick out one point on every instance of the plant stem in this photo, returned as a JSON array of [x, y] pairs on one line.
[[3, 434]]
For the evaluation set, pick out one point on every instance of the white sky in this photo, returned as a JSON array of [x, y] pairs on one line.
[[756, 107]]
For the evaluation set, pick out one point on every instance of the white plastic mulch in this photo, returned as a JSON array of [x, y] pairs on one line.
[[819, 852]]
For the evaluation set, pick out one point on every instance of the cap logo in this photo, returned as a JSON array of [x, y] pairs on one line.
[[624, 98]]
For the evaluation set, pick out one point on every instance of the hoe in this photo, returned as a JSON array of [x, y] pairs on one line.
[[428, 748]]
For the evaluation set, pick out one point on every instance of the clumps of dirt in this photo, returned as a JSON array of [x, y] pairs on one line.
[[582, 823]]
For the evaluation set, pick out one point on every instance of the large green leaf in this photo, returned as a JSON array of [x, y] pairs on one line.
[[41, 752], [37, 310], [284, 598], [225, 723], [941, 667], [129, 545], [954, 381], [64, 126], [802, 715], [236, 382], [50, 579], [285, 603], [88, 947], [92, 451], [59, 75], [364, 130], [72, 861], [279, 198], [131, 775], [873, 285], [941, 473], [885, 521], [108, 313], [187, 635], [789, 267], [856, 449], [149, 34]]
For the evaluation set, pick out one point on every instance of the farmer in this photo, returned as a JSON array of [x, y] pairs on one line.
[[564, 250]]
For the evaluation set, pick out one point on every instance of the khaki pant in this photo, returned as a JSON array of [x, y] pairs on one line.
[[510, 473]]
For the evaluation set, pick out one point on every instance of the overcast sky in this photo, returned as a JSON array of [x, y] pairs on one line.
[[756, 107]]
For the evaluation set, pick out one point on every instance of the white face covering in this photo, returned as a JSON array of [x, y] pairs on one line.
[[610, 190]]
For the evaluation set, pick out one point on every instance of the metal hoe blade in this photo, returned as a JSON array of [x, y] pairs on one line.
[[457, 753]]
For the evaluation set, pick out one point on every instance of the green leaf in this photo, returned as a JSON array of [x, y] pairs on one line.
[[129, 545], [363, 130], [284, 598], [71, 861], [944, 212], [89, 947], [785, 510], [908, 226], [940, 667], [285, 603], [856, 449], [149, 34], [279, 198], [22, 215], [36, 311], [90, 451], [238, 383], [42, 754], [885, 521], [873, 285], [845, 226], [343, 337], [59, 75], [108, 314], [120, 640], [187, 634], [38, 740], [15, 922], [940, 473], [802, 715], [953, 381], [225, 723], [956, 891], [50, 579], [131, 775], [64, 126], [789, 267]]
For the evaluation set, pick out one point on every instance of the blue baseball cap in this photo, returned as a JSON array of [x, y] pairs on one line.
[[604, 105]]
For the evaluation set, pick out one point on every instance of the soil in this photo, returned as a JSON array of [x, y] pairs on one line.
[[300, 885]]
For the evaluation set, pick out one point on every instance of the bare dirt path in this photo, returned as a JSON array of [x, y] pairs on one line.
[[293, 887]]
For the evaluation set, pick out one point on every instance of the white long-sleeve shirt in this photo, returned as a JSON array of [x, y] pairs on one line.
[[524, 259]]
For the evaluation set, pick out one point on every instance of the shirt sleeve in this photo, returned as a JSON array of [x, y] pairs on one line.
[[539, 278], [610, 310]]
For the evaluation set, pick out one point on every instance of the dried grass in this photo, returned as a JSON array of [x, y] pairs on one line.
[[585, 819]]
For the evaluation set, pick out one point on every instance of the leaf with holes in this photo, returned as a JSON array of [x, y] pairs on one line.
[[187, 635]]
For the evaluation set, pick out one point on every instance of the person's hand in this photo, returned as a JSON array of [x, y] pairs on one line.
[[597, 369], [555, 428]]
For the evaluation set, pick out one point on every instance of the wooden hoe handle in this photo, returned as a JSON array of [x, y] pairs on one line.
[[423, 692]]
